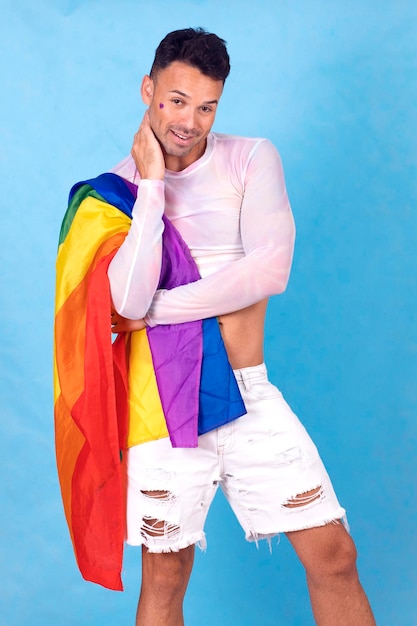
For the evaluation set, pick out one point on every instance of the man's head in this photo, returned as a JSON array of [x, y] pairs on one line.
[[196, 47], [182, 93]]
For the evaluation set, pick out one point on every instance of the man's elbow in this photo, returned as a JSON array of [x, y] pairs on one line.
[[282, 285], [131, 312], [276, 270], [279, 283], [130, 308]]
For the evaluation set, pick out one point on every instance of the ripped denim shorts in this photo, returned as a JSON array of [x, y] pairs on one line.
[[264, 462]]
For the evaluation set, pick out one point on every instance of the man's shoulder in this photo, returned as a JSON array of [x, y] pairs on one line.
[[237, 146], [239, 140], [240, 143]]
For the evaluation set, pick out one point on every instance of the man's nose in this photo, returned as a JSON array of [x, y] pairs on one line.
[[188, 118]]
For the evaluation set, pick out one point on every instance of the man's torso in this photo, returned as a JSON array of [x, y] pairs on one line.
[[204, 203]]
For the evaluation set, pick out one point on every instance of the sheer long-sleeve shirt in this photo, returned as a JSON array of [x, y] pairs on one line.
[[232, 210]]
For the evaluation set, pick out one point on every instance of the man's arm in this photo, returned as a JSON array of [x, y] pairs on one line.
[[141, 252], [267, 231]]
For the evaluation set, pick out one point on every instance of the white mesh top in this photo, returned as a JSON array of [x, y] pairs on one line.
[[231, 208]]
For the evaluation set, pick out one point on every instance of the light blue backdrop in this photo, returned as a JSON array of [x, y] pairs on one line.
[[333, 84]]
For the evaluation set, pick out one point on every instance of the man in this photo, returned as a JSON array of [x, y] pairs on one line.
[[226, 196]]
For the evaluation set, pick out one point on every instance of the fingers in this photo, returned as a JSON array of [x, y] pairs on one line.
[[145, 123], [147, 153], [144, 127], [120, 324], [114, 321]]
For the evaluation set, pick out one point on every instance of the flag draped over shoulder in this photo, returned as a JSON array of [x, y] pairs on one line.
[[168, 380]]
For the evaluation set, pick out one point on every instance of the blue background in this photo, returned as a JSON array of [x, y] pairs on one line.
[[333, 85]]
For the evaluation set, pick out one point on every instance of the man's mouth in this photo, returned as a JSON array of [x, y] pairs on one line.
[[182, 137]]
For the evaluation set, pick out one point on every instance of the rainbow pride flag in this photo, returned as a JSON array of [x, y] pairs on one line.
[[172, 380]]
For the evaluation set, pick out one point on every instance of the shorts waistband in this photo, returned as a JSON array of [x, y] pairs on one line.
[[254, 372]]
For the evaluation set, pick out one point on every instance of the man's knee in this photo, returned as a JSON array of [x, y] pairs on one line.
[[167, 573], [326, 551], [334, 559], [340, 557]]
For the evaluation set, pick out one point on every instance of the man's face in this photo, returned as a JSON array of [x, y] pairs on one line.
[[182, 106]]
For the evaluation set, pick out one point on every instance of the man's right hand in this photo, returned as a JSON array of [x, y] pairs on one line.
[[147, 153]]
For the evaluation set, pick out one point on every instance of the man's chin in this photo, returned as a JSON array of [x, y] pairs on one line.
[[178, 151]]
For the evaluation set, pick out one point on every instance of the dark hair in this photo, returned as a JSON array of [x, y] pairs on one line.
[[196, 47]]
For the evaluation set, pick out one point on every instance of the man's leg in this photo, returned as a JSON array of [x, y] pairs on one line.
[[275, 481], [169, 492], [329, 557], [165, 578]]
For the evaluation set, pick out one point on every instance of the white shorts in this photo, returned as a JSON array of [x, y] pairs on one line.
[[264, 462]]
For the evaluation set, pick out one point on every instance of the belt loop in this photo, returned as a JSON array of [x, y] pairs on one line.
[[245, 379]]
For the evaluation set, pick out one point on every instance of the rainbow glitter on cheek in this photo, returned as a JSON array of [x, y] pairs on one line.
[[161, 106]]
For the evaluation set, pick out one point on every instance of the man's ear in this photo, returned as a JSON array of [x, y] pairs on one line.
[[146, 90]]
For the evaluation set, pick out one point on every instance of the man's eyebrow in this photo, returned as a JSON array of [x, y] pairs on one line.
[[184, 95]]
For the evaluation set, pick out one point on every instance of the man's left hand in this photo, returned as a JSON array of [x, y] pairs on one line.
[[120, 324]]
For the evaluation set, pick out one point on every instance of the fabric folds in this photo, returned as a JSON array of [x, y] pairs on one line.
[[168, 380]]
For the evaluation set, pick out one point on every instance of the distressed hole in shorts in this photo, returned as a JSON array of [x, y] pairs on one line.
[[154, 494], [304, 499], [152, 527]]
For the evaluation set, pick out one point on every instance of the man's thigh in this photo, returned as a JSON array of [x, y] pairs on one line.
[[169, 492], [273, 476]]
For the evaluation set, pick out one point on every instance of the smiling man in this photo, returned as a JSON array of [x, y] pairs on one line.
[[181, 118], [226, 198]]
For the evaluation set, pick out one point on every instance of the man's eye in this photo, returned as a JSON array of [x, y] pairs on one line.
[[176, 101], [206, 109]]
